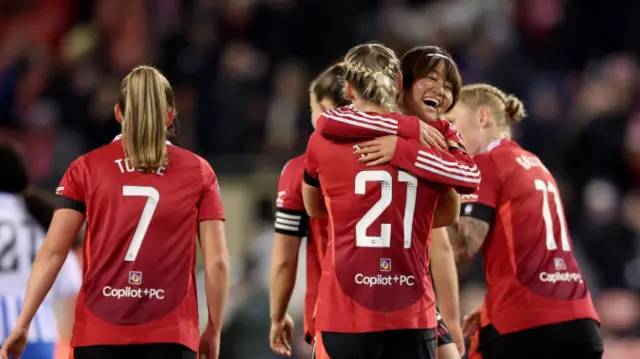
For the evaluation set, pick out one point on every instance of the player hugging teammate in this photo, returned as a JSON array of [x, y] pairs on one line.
[[376, 298], [554, 316]]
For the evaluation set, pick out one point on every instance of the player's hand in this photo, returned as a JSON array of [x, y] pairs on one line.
[[209, 344], [280, 336], [15, 344], [431, 137], [471, 323], [377, 152]]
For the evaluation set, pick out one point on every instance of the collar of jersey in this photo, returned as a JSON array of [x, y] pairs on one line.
[[119, 137], [494, 144]]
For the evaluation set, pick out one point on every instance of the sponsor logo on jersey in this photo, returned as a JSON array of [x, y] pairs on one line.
[[560, 277], [135, 278], [385, 280], [559, 264], [128, 292], [385, 265], [59, 190]]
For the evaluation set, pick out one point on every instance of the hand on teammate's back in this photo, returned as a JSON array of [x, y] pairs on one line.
[[377, 152], [15, 344], [209, 344], [431, 137], [280, 336]]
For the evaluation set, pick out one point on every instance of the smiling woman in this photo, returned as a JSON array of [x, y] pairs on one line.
[[431, 82]]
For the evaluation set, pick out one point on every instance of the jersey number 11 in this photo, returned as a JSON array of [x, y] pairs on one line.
[[548, 188]]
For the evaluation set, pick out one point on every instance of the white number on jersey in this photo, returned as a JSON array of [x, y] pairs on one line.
[[153, 197], [10, 256], [386, 185], [548, 188]]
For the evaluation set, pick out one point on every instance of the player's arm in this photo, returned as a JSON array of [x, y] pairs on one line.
[[478, 211], [291, 226], [470, 233], [216, 262], [211, 234], [341, 124], [453, 168], [445, 278], [64, 228], [311, 192], [448, 209], [65, 289]]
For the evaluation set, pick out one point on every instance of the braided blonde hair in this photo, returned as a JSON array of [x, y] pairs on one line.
[[373, 71], [505, 109]]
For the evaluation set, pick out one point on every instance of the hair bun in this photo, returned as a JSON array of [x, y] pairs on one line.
[[514, 109]]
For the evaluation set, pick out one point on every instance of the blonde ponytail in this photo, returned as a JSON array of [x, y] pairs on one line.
[[505, 109], [146, 100]]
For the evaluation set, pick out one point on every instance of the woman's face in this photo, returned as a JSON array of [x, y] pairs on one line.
[[467, 122], [317, 108], [429, 96]]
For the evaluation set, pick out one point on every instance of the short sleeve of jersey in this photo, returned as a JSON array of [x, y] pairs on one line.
[[485, 201], [210, 207], [291, 218], [311, 164], [72, 185]]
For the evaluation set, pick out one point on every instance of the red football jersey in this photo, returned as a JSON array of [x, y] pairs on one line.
[[139, 249], [291, 219], [375, 272], [455, 169], [532, 276]]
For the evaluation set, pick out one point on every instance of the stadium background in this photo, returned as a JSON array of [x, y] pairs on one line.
[[241, 70]]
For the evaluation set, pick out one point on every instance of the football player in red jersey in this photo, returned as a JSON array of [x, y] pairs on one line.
[[537, 303], [292, 224], [376, 298], [431, 87], [144, 201]]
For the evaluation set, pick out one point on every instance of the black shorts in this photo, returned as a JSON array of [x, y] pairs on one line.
[[393, 344], [444, 337], [576, 339], [134, 351]]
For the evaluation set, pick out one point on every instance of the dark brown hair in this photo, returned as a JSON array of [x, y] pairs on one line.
[[373, 70], [329, 85], [419, 61], [146, 97]]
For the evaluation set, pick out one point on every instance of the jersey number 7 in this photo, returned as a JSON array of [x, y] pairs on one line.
[[153, 197], [386, 195]]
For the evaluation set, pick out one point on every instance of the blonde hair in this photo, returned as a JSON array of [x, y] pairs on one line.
[[373, 71], [146, 98], [505, 109]]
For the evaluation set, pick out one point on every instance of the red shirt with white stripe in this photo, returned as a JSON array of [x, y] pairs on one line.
[[140, 244], [375, 272], [292, 220], [454, 168]]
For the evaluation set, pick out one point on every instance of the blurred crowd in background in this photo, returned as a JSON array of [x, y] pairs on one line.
[[241, 70]]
